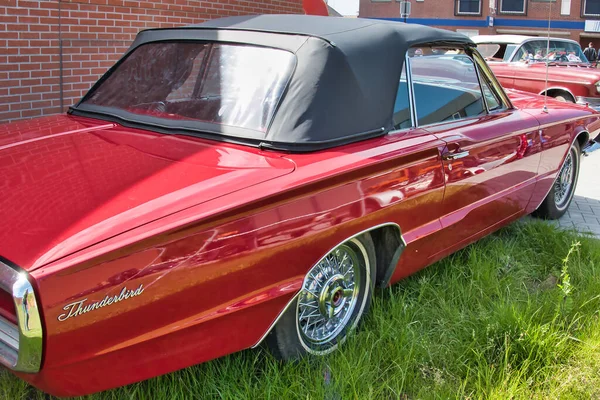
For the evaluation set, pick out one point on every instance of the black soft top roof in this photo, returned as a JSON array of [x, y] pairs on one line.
[[346, 78]]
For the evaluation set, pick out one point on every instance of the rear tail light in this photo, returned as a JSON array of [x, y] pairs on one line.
[[20, 324]]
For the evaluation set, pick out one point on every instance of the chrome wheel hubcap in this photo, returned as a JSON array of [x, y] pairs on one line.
[[564, 182], [329, 296]]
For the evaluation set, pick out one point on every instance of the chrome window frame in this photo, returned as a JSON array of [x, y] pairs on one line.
[[481, 66], [413, 104], [411, 101], [411, 92], [20, 344]]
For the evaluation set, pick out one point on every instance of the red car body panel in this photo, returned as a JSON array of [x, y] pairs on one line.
[[116, 179], [579, 80], [220, 261]]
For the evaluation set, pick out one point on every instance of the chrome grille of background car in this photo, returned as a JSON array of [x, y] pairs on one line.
[[20, 325]]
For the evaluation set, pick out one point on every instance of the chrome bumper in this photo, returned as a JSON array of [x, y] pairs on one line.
[[592, 102], [20, 344]]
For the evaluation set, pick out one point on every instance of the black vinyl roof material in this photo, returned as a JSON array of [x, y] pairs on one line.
[[346, 78]]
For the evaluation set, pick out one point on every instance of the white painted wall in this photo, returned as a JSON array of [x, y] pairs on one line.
[[345, 7]]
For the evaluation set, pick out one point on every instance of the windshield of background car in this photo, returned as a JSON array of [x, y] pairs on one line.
[[228, 84], [559, 52]]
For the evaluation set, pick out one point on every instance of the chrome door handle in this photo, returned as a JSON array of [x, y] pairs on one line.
[[455, 156]]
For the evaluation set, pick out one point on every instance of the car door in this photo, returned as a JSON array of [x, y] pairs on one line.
[[491, 154]]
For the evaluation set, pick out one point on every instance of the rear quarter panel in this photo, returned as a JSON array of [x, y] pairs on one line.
[[215, 276]]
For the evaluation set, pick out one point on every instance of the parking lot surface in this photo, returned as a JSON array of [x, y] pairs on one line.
[[584, 212]]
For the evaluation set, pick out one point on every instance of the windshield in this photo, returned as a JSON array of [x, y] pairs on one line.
[[559, 52], [225, 84]]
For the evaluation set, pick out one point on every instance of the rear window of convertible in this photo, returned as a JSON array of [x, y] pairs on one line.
[[228, 84]]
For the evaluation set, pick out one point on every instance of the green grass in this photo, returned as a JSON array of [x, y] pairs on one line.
[[508, 317]]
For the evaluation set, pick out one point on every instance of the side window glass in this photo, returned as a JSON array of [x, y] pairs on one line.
[[445, 85], [510, 48], [525, 53], [402, 105]]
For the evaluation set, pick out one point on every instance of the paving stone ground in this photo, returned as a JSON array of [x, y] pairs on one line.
[[584, 212]]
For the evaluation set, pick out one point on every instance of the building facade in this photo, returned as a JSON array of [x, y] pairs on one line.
[[575, 19], [54, 50]]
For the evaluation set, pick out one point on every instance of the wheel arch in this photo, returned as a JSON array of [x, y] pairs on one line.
[[552, 91], [389, 244], [582, 137]]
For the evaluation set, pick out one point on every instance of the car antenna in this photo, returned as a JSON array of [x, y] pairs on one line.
[[545, 109]]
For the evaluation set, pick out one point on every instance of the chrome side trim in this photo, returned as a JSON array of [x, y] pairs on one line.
[[287, 306], [293, 299], [21, 344], [564, 121]]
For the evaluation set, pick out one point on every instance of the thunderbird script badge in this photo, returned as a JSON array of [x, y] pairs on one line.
[[78, 308]]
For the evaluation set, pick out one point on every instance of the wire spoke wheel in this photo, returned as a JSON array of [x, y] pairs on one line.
[[561, 193], [333, 297], [329, 295], [336, 292], [564, 184]]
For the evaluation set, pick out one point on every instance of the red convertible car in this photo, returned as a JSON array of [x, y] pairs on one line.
[[519, 62], [250, 181]]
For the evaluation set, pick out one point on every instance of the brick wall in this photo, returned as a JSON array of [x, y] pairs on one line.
[[445, 10], [54, 50]]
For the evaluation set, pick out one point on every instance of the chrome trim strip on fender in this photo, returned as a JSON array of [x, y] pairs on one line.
[[293, 299], [573, 82], [564, 121], [287, 306], [20, 344]]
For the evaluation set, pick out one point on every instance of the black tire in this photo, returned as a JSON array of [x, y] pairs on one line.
[[555, 204], [288, 340]]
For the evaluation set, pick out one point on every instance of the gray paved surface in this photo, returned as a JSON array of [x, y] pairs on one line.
[[584, 212]]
